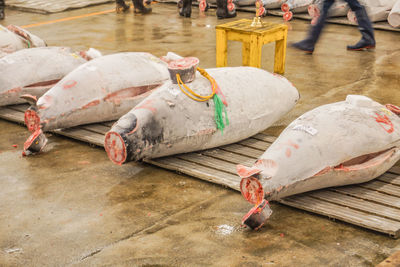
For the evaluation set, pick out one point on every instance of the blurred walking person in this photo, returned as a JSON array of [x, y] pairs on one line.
[[364, 25], [2, 5], [137, 5]]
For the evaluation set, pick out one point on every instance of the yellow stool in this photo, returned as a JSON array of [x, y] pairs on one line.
[[253, 38]]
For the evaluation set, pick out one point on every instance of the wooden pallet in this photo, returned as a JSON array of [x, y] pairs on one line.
[[374, 205]]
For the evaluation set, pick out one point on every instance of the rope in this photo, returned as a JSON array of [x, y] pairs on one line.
[[218, 104]]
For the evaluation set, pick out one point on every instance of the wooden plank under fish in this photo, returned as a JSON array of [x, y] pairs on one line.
[[374, 205]]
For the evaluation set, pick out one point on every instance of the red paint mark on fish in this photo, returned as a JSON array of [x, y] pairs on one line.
[[15, 145], [69, 84], [290, 144], [91, 104], [384, 122], [14, 90], [288, 152], [147, 105]]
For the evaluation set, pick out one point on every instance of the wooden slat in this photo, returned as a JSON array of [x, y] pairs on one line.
[[345, 214], [357, 203], [368, 194], [198, 171], [21, 108], [108, 123], [228, 156], [243, 150], [256, 144], [395, 170], [390, 178], [96, 128], [11, 115], [82, 135], [382, 187], [209, 162], [264, 137]]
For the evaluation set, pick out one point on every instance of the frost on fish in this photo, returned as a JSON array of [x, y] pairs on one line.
[[343, 143], [34, 71], [100, 90], [14, 38], [169, 122]]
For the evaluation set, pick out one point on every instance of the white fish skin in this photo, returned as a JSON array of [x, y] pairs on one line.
[[394, 15], [332, 145], [34, 71], [169, 122], [102, 89], [17, 39]]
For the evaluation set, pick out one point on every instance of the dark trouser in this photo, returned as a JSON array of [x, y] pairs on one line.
[[2, 4], [364, 23]]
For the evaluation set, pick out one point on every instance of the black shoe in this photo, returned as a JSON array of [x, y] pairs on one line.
[[367, 32], [305, 45], [361, 45], [139, 8], [121, 6]]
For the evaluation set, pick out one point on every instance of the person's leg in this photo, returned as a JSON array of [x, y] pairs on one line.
[[308, 44], [186, 10], [2, 4], [225, 9], [364, 25], [121, 6], [140, 8]]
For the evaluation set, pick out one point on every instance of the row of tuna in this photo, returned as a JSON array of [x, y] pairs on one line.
[[348, 142], [377, 10]]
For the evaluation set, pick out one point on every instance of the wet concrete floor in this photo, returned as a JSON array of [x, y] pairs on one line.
[[72, 206]]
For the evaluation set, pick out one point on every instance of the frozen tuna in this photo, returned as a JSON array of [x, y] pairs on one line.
[[377, 10], [100, 90], [294, 6], [169, 122], [338, 9], [34, 71], [343, 143], [394, 15], [14, 38]]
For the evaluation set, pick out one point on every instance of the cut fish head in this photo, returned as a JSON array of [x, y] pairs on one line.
[[257, 216], [35, 143]]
